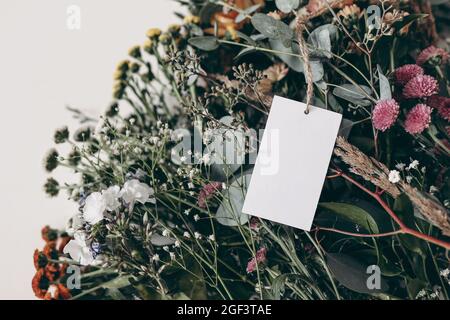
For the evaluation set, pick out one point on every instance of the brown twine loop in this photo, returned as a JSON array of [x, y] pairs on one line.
[[300, 27]]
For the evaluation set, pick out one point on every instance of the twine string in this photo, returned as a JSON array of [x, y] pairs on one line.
[[300, 27]]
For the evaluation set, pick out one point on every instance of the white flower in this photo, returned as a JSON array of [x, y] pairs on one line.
[[74, 224], [196, 217], [206, 158], [187, 211], [394, 176], [197, 235], [155, 257], [186, 234], [183, 159], [409, 179], [52, 291], [212, 237], [177, 243], [111, 197], [172, 256], [400, 166], [134, 190], [165, 233], [79, 250], [445, 273], [94, 207], [413, 165], [433, 189]]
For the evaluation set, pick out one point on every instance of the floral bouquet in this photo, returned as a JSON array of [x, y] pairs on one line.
[[160, 199]]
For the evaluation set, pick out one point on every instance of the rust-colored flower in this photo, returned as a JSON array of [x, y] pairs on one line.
[[40, 259], [40, 284], [226, 19]]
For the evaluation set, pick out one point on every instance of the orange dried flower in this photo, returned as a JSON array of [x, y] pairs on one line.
[[40, 284]]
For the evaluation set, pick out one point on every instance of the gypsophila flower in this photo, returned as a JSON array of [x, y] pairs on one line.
[[433, 189], [385, 113], [196, 217], [400, 166], [420, 86], [418, 119], [177, 244], [134, 190], [405, 73], [409, 179], [165, 233], [211, 237], [197, 235], [413, 165], [155, 257], [172, 256], [187, 211], [433, 54], [186, 234], [394, 176]]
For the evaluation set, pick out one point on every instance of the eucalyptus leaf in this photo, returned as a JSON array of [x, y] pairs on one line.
[[352, 274], [385, 87], [272, 28], [353, 93], [230, 211], [321, 40], [353, 214], [287, 56], [287, 6], [206, 43]]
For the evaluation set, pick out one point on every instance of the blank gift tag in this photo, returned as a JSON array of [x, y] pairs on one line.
[[292, 163]]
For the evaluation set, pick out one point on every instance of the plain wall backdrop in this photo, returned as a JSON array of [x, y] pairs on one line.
[[44, 67]]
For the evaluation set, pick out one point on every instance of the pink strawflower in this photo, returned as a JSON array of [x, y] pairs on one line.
[[430, 53], [385, 113], [420, 86], [441, 104], [207, 192], [259, 258], [405, 73], [418, 119]]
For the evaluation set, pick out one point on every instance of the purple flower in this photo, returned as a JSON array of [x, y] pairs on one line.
[[259, 258], [420, 86], [385, 113], [432, 52], [207, 192], [405, 73], [418, 119]]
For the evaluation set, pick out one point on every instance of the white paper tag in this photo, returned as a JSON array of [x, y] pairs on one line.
[[292, 163]]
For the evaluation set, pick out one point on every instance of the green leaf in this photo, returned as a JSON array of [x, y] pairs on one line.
[[273, 28], [286, 56], [206, 43], [287, 6], [230, 211], [245, 13], [279, 283], [354, 94], [321, 39], [351, 273], [385, 87], [352, 214]]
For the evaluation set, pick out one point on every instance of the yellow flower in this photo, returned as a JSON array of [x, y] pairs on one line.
[[148, 45], [174, 28], [154, 33], [191, 20]]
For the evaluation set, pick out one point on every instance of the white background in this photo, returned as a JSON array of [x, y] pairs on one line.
[[44, 67]]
